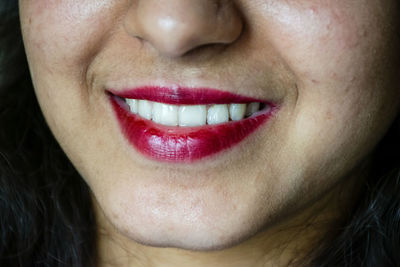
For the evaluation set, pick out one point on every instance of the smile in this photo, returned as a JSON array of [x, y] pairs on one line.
[[185, 125]]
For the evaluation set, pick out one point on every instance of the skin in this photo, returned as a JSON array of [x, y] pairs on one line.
[[331, 66]]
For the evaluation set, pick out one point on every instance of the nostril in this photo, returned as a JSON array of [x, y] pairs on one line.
[[206, 51], [218, 6], [175, 27]]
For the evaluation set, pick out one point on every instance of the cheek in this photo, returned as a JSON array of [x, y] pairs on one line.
[[61, 39], [61, 35], [338, 53], [322, 42]]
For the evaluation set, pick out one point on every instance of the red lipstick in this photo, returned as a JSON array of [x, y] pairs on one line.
[[184, 96], [184, 144]]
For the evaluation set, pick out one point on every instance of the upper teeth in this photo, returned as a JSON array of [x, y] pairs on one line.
[[191, 115]]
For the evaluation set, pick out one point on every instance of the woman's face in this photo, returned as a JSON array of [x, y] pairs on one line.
[[327, 73]]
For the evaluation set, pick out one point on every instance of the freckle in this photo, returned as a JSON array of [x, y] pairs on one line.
[[314, 9], [314, 81], [115, 215], [328, 115], [100, 143], [364, 33]]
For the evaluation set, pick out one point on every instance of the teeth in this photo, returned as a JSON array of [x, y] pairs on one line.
[[218, 114], [165, 114], [133, 105], [191, 115], [252, 108], [145, 109], [237, 111]]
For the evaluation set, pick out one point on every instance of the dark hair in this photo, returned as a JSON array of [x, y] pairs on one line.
[[370, 235], [46, 214]]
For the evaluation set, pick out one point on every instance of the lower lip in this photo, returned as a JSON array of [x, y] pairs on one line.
[[183, 144]]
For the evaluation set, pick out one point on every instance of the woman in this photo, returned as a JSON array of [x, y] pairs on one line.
[[200, 133]]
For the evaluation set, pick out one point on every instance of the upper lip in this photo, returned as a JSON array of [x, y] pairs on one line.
[[184, 96]]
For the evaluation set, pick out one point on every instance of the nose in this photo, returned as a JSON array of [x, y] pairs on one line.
[[175, 27]]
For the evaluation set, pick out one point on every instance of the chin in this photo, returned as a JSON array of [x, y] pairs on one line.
[[187, 239], [208, 226]]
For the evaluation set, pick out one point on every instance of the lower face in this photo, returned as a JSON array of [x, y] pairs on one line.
[[325, 75]]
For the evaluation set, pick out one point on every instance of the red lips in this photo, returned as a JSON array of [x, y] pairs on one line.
[[184, 144]]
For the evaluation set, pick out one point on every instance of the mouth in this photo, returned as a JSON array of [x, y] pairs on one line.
[[186, 125]]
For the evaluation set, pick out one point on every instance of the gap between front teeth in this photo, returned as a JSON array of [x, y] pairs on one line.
[[191, 115]]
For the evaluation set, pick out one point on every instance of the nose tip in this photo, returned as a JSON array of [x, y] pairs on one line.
[[175, 27]]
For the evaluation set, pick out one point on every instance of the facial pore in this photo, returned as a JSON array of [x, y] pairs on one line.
[[330, 66]]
